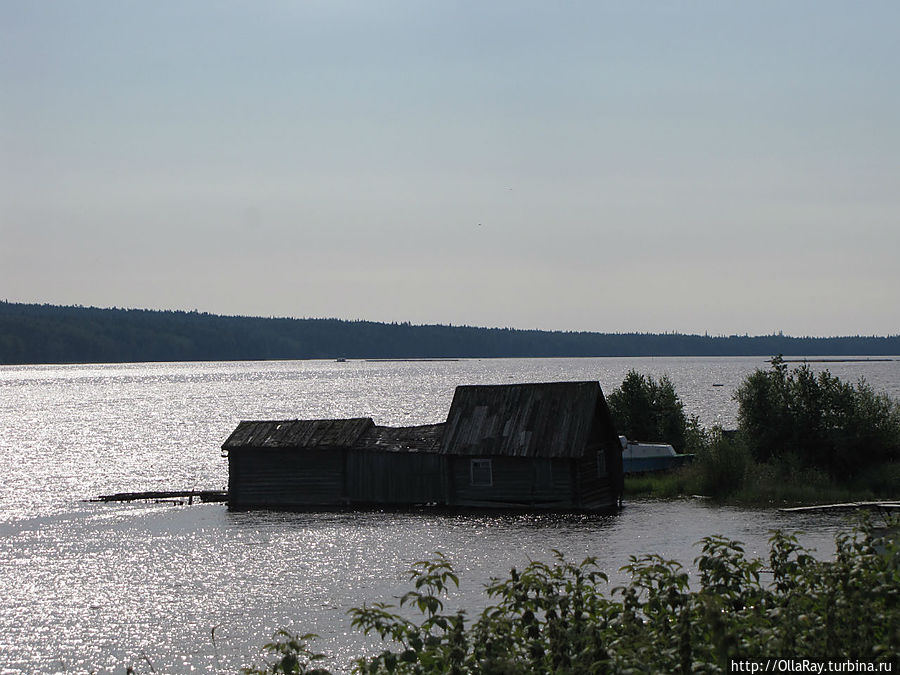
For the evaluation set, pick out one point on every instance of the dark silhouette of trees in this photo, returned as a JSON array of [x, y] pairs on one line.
[[55, 334], [799, 417], [645, 409]]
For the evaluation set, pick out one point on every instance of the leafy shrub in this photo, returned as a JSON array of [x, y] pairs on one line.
[[649, 410], [883, 477], [557, 618], [290, 655], [722, 464], [817, 420]]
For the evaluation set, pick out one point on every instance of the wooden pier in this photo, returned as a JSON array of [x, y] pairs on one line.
[[848, 506], [174, 496]]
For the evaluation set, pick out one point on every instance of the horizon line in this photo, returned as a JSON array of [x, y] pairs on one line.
[[704, 335]]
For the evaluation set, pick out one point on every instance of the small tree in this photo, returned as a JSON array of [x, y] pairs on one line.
[[649, 410]]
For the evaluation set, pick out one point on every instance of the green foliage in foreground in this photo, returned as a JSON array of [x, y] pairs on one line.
[[557, 618]]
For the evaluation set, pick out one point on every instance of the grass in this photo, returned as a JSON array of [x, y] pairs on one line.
[[773, 484], [662, 484]]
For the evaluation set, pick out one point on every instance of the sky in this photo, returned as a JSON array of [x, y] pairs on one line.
[[699, 167]]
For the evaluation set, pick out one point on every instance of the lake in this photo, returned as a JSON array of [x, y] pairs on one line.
[[99, 587]]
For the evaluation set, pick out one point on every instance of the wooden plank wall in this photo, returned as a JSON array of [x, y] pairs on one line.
[[285, 478], [595, 490], [299, 478], [518, 482], [397, 478]]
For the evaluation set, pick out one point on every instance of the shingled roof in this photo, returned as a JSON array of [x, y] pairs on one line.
[[424, 438], [522, 420], [359, 433], [298, 433]]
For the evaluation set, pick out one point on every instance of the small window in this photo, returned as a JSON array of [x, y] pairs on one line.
[[482, 474], [601, 463]]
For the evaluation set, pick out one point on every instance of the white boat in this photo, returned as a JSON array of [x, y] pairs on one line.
[[644, 457]]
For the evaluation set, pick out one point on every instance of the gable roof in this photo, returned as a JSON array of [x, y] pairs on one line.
[[522, 420], [298, 433]]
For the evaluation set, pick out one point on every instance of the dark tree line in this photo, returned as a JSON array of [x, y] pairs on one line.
[[55, 334]]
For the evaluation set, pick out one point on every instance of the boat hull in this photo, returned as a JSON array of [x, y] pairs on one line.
[[652, 464]]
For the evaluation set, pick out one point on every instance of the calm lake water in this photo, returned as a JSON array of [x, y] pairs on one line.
[[99, 587]]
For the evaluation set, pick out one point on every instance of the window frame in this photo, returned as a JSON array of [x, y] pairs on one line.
[[481, 465], [601, 464]]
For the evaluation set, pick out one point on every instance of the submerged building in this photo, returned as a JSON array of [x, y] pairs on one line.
[[549, 446]]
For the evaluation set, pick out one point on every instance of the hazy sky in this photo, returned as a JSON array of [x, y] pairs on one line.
[[631, 166]]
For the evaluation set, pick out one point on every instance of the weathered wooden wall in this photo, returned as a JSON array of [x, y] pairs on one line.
[[595, 490], [285, 478], [518, 482], [393, 478]]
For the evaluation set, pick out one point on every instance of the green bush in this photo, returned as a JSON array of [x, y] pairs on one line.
[[802, 438], [882, 478], [645, 409], [557, 618], [722, 465], [817, 420]]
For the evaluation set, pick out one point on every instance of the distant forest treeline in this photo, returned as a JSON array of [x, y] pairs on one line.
[[31, 334]]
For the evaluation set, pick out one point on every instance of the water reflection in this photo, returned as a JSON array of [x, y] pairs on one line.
[[103, 586], [112, 583]]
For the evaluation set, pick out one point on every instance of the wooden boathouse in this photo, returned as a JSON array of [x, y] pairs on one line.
[[541, 446], [524, 446], [309, 463]]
